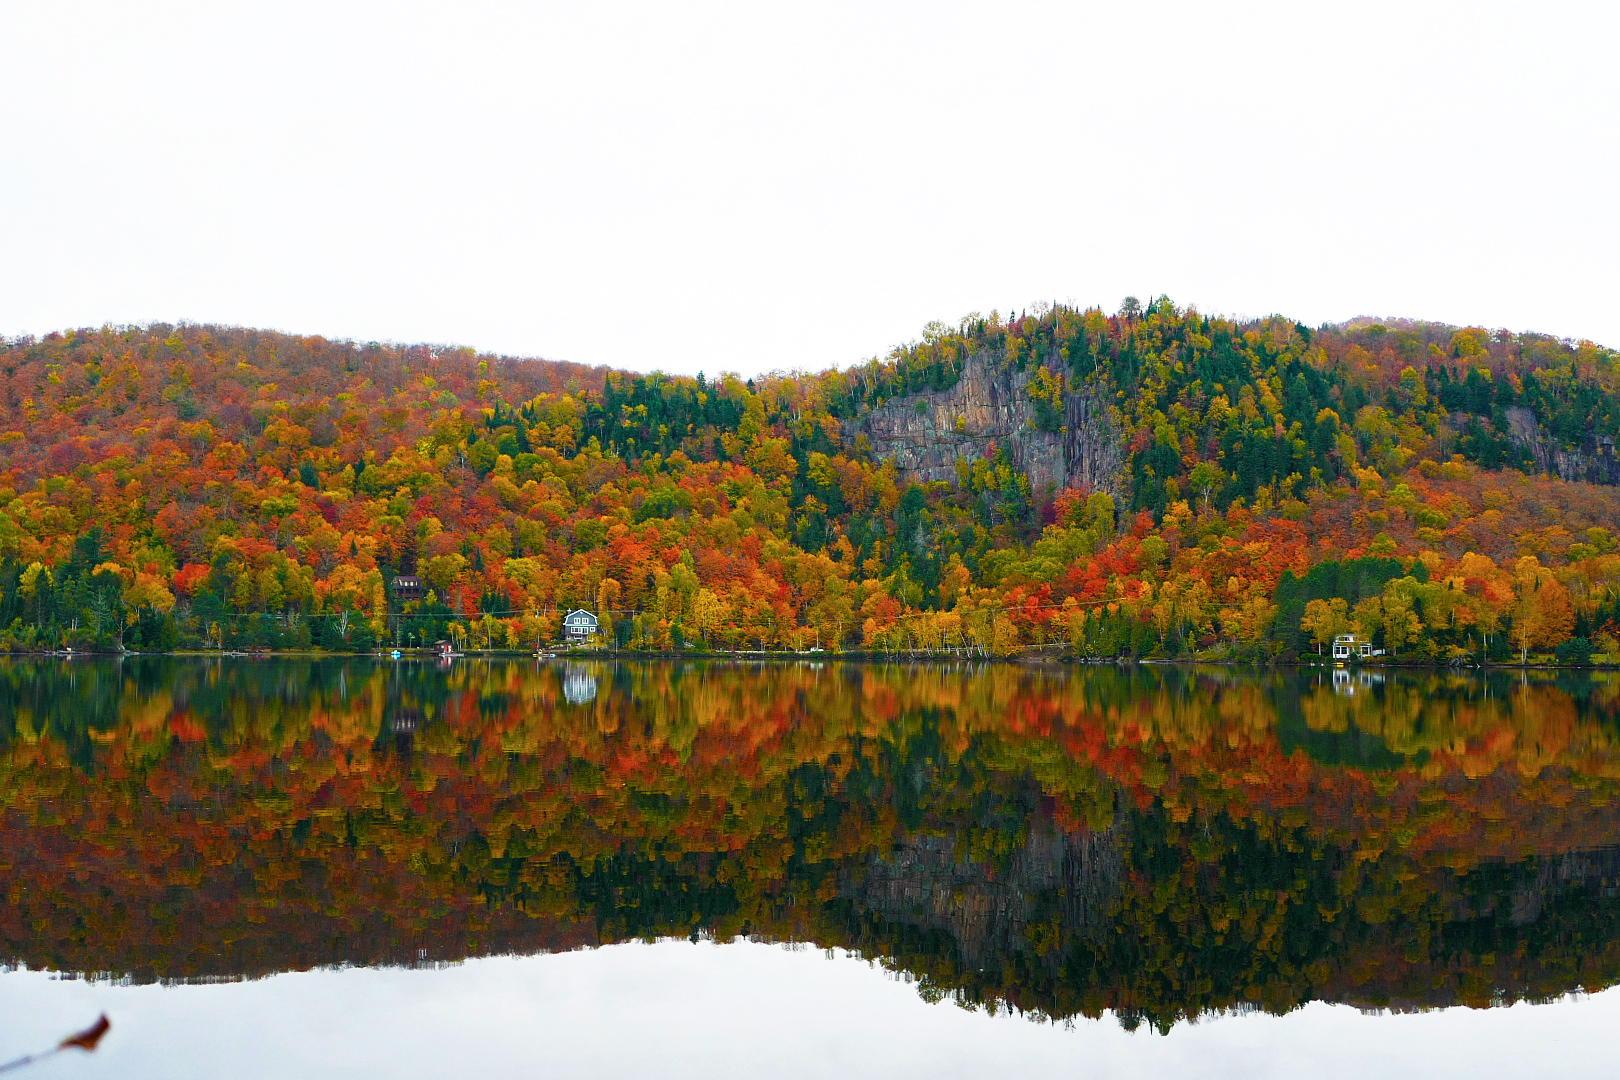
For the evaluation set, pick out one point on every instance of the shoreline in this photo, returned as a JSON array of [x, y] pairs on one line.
[[757, 655]]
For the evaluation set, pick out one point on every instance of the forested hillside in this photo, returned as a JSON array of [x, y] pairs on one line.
[[1152, 482]]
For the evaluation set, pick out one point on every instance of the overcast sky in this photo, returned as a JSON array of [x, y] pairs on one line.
[[760, 186]]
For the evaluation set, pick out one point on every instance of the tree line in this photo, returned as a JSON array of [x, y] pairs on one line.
[[173, 487]]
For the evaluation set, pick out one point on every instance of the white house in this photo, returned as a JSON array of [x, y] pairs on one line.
[[1346, 646], [578, 625]]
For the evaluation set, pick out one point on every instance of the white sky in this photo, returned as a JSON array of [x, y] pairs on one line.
[[754, 186], [711, 1012]]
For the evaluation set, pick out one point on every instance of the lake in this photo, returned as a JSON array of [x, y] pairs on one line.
[[354, 868]]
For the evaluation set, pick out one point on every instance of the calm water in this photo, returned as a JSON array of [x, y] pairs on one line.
[[286, 868]]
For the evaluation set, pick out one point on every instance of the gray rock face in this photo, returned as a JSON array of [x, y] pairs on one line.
[[925, 434], [986, 913], [1593, 461], [1595, 871]]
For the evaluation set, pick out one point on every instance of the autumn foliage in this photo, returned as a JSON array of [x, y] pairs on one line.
[[209, 487], [1158, 844]]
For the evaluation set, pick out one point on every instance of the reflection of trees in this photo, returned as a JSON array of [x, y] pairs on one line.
[[1065, 844], [1481, 725]]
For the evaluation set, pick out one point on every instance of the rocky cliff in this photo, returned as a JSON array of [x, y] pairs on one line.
[[925, 434], [1593, 461]]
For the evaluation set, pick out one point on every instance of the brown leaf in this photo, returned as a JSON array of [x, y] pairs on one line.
[[87, 1039]]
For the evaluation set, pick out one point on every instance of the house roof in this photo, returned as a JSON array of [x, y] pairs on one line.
[[581, 611]]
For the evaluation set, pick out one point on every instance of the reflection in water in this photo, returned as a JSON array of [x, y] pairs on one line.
[[1159, 844], [578, 685]]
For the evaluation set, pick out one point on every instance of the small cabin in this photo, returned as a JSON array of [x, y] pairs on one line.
[[1348, 646], [408, 587], [443, 649], [578, 625]]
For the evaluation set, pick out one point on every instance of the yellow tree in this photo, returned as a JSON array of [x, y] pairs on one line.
[[344, 591], [29, 588], [1325, 620], [1368, 617], [1003, 635], [1542, 614], [1402, 627], [607, 595], [148, 591], [709, 613], [1250, 620]]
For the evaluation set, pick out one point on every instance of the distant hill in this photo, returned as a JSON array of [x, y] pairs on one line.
[[1152, 481]]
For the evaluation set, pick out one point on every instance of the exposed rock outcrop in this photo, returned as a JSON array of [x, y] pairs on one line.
[[925, 434], [1593, 461]]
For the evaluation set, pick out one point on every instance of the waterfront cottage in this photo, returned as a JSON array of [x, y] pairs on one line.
[[579, 625], [1348, 646]]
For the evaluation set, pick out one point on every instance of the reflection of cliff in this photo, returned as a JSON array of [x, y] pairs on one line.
[[1216, 918], [986, 912], [1594, 873], [1144, 843]]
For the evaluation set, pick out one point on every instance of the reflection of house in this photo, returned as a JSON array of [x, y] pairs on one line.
[[407, 587], [579, 625], [1345, 683], [1346, 646], [578, 685]]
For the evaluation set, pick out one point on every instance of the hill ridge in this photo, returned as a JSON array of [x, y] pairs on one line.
[[1134, 483]]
